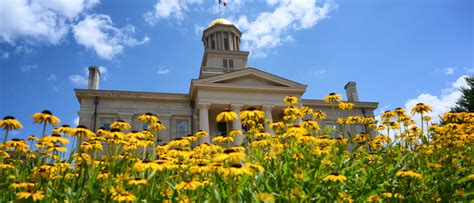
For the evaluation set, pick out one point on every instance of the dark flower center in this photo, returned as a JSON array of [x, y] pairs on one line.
[[47, 112]]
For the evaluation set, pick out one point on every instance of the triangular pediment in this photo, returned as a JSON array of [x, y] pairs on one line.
[[252, 78]]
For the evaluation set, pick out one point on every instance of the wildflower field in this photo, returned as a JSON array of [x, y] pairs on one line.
[[301, 161]]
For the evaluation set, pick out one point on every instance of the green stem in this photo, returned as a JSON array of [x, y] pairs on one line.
[[44, 130], [6, 136]]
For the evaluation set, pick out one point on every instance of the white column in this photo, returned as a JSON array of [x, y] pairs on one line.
[[236, 123], [204, 121], [165, 135], [268, 116]]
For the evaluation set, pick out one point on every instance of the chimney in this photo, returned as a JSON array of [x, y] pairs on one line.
[[351, 92], [94, 77]]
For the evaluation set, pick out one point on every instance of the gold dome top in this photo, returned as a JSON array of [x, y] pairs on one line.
[[220, 21]]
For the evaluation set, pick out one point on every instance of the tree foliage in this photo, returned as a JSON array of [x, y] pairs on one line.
[[466, 102]]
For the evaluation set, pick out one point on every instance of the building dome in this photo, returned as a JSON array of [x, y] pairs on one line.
[[219, 21]]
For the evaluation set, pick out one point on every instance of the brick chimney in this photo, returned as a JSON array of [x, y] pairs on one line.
[[94, 77], [351, 92]]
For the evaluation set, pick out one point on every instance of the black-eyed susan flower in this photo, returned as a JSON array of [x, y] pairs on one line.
[[230, 155], [409, 174], [120, 195], [21, 185], [346, 105], [201, 133], [157, 126], [120, 124], [138, 181], [335, 177], [82, 132], [290, 100], [332, 98], [33, 195], [222, 139], [266, 197], [226, 116], [421, 108], [148, 118], [319, 115], [388, 115], [252, 114], [46, 117], [10, 123], [235, 133], [188, 184], [66, 129]]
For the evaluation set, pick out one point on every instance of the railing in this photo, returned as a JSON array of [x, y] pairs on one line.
[[217, 70]]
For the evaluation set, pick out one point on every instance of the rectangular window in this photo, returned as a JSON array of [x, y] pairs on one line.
[[226, 41], [105, 123], [222, 128], [181, 128], [224, 63], [231, 63]]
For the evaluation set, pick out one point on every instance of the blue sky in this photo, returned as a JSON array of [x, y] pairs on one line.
[[399, 52]]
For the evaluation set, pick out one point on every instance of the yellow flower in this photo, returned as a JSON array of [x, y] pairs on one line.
[[226, 116], [335, 177], [361, 137], [121, 195], [222, 140], [34, 195], [235, 133], [408, 173], [66, 129], [46, 117], [82, 132], [277, 126], [297, 156], [332, 98], [57, 148], [252, 114], [157, 126], [148, 118], [55, 138], [319, 115], [345, 197], [120, 124], [138, 181], [10, 123], [346, 105], [421, 108], [310, 125], [201, 133], [231, 155], [188, 184], [388, 115], [16, 144], [266, 197], [21, 185], [290, 100], [391, 195], [238, 170], [373, 198]]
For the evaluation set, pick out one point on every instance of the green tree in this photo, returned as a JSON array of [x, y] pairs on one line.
[[466, 102]]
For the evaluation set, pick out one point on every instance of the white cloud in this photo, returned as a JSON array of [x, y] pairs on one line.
[[39, 20], [162, 71], [318, 72], [78, 80], [272, 29], [441, 103], [449, 71], [82, 80], [170, 8], [28, 68], [98, 33], [76, 121], [52, 77]]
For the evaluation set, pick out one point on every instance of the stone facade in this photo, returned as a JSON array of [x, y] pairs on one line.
[[218, 87]]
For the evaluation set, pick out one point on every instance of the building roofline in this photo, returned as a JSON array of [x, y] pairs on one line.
[[360, 104], [85, 93]]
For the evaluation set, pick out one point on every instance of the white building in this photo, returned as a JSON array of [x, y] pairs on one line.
[[225, 81]]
